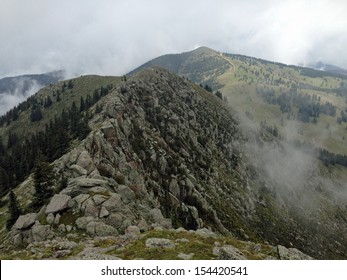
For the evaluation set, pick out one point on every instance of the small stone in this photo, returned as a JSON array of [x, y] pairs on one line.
[[57, 219], [159, 243], [50, 219], [103, 212], [184, 256]]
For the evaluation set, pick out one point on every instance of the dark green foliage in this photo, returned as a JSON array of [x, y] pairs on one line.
[[208, 88], [58, 95], [12, 140], [4, 182], [82, 104], [63, 183], [36, 113], [331, 159], [48, 102], [14, 210], [70, 84], [308, 106], [43, 183]]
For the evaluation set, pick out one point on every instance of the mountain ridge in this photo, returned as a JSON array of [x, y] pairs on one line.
[[162, 152]]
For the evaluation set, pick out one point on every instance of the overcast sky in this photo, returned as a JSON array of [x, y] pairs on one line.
[[114, 36]]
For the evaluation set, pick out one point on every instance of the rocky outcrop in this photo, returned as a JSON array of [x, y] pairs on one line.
[[291, 254], [162, 154]]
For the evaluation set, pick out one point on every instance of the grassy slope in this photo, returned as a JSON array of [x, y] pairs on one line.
[[83, 86], [239, 85]]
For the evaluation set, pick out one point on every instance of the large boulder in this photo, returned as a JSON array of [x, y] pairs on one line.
[[228, 252], [101, 229], [25, 221], [291, 254], [84, 160], [41, 232], [58, 203]]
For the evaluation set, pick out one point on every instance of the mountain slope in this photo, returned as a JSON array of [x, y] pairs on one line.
[[164, 152], [304, 104], [202, 65]]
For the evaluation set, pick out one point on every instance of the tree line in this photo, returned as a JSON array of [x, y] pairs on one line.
[[19, 155]]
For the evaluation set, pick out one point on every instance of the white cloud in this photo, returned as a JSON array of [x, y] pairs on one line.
[[112, 37]]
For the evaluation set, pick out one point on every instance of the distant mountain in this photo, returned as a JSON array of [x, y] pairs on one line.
[[14, 90], [25, 82], [200, 65], [328, 68]]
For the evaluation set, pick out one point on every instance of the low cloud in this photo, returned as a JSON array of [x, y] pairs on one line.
[[113, 37], [24, 88]]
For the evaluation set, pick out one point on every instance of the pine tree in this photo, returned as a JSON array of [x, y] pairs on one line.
[[4, 182], [43, 182], [14, 210]]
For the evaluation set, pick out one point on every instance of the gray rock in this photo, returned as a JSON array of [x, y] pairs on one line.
[[228, 252], [89, 208], [99, 199], [103, 212], [58, 203], [50, 219], [291, 254], [84, 160], [89, 183], [204, 232], [17, 239], [57, 219], [126, 193], [82, 222], [65, 245], [159, 243], [114, 203], [62, 228], [41, 232], [25, 221], [115, 220], [156, 216], [184, 256], [61, 253], [80, 199], [78, 170], [132, 230], [101, 229]]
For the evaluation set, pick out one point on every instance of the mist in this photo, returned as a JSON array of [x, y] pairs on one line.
[[24, 88]]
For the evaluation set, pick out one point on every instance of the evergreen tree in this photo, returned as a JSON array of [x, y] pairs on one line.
[[14, 210], [82, 104], [43, 182], [36, 113], [4, 182]]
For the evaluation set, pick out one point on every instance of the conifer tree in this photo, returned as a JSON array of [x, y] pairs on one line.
[[14, 210], [43, 182]]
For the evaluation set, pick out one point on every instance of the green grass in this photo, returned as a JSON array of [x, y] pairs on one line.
[[187, 243]]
